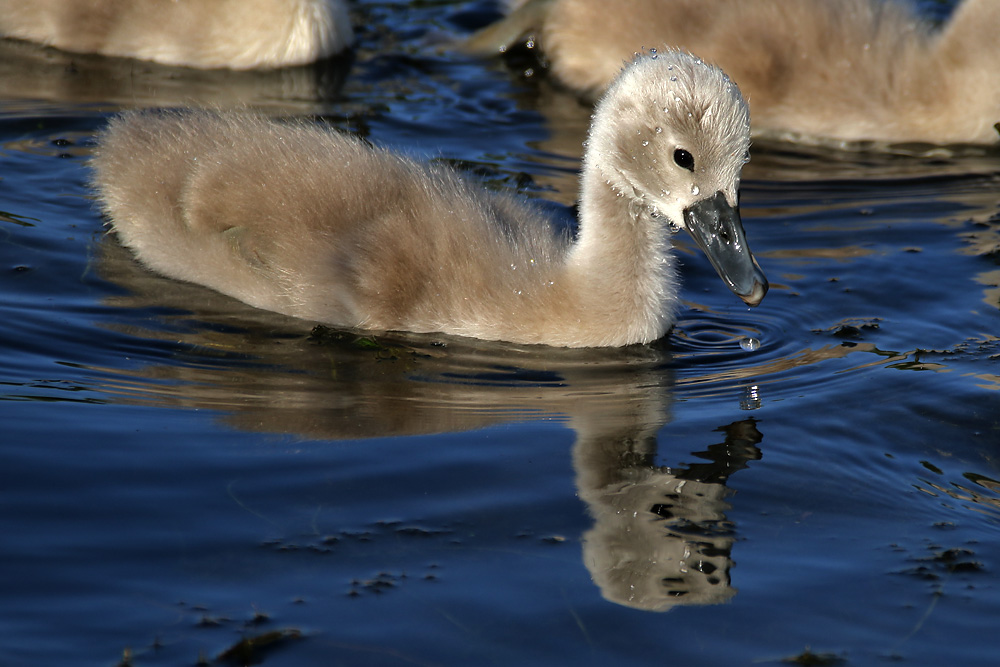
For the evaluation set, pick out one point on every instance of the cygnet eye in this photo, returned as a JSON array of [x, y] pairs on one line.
[[684, 159]]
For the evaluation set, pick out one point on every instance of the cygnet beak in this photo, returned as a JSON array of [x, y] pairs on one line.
[[718, 230]]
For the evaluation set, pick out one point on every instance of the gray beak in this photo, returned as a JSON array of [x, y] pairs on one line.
[[718, 230]]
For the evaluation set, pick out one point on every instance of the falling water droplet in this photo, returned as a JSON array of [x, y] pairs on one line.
[[749, 343]]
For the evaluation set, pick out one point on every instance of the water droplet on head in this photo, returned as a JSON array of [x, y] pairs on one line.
[[645, 142], [659, 130], [673, 227], [666, 109], [652, 53], [695, 190], [749, 344], [665, 193], [673, 78]]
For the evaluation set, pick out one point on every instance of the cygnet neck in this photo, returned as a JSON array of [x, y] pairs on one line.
[[622, 256]]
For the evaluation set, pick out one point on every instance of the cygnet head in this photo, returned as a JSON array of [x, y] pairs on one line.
[[672, 134]]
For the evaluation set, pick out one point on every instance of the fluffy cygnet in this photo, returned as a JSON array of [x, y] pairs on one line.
[[207, 34], [316, 224], [842, 70]]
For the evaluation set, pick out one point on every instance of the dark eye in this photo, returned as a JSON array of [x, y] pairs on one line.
[[684, 159]]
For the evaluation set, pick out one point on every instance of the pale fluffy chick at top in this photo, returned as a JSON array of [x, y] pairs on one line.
[[204, 34]]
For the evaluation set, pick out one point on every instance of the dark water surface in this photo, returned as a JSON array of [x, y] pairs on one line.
[[185, 479]]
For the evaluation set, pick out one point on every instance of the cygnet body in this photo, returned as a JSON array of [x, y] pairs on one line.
[[206, 34], [841, 70], [316, 224]]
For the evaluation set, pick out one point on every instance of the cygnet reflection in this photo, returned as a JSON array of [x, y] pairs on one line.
[[660, 537]]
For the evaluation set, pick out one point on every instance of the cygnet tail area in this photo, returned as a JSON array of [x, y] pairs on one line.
[[187, 193]]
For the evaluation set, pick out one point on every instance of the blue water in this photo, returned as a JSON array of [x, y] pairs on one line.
[[184, 479]]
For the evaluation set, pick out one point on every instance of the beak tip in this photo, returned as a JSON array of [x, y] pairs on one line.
[[756, 293]]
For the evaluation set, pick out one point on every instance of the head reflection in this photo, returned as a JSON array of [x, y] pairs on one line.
[[660, 536]]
